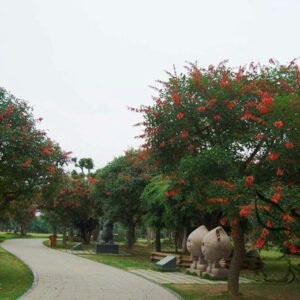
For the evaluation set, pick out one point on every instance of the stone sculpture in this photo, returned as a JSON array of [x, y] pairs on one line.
[[216, 247], [106, 234], [209, 250], [105, 242], [194, 243]]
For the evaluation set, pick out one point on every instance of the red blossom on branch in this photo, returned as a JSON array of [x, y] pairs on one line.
[[26, 163], [279, 171], [263, 109], [289, 145], [245, 211], [266, 98], [273, 156], [249, 181], [260, 242], [201, 108], [176, 98], [217, 117], [276, 197], [180, 115], [223, 221], [47, 150], [184, 134], [278, 124]]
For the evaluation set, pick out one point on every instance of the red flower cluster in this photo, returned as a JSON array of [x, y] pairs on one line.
[[176, 98], [289, 145], [217, 117], [273, 156], [287, 218], [279, 171], [260, 242], [278, 124], [249, 181], [217, 200], [201, 108], [180, 115], [245, 211], [262, 108], [51, 169], [172, 193], [47, 149], [184, 134], [26, 163], [266, 99], [223, 221], [276, 197]]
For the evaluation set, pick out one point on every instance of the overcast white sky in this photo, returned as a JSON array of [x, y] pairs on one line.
[[80, 63]]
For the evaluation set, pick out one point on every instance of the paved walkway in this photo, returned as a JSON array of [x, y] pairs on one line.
[[60, 275], [180, 278]]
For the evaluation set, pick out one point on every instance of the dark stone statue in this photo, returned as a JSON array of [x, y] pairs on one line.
[[106, 234], [105, 240]]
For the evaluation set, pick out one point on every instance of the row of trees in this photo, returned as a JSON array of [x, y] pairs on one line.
[[221, 146]]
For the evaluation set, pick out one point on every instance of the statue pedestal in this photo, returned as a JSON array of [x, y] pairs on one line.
[[107, 248], [195, 272]]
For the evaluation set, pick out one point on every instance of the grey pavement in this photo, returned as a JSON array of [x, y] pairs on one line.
[[179, 278], [60, 275]]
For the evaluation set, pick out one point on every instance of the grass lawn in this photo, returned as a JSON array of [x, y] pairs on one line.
[[9, 235], [15, 277]]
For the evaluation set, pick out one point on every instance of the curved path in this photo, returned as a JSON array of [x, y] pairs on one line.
[[60, 275]]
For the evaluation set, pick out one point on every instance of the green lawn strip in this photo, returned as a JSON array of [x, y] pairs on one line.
[[9, 235], [15, 277], [257, 291]]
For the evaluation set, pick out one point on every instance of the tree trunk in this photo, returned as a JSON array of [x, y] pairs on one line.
[[130, 235], [235, 264], [157, 240], [22, 229], [64, 235], [184, 239], [71, 234], [176, 240]]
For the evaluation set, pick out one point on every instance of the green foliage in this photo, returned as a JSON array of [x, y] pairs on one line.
[[225, 133], [119, 187], [29, 160], [153, 201]]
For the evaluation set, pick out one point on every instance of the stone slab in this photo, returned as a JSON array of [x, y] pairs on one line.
[[107, 248]]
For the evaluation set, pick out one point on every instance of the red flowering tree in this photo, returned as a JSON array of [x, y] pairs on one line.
[[69, 202], [29, 160], [230, 133]]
